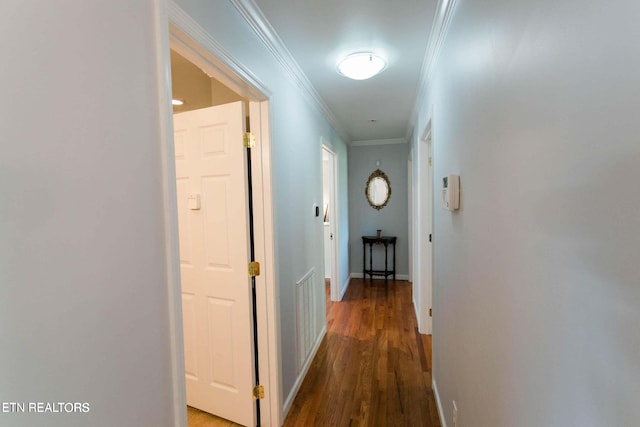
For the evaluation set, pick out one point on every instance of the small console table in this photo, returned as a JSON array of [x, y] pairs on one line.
[[374, 240]]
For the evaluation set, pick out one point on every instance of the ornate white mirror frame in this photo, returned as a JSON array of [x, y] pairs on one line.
[[378, 189]]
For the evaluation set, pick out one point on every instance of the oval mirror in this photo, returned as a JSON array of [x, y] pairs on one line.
[[378, 190]]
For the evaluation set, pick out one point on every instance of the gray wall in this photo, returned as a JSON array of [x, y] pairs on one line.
[[84, 270], [393, 218], [537, 284]]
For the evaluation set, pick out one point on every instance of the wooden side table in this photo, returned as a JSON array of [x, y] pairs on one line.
[[374, 240]]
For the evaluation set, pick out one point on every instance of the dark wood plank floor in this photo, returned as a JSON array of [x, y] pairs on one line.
[[373, 368]]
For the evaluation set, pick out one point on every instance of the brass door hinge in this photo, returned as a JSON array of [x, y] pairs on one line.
[[254, 269], [430, 312], [249, 140], [258, 392]]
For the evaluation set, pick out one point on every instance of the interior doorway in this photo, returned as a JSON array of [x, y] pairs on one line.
[[220, 83], [425, 224], [330, 217], [410, 217]]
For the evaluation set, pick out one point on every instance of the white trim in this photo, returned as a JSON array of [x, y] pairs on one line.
[[306, 275], [425, 213], [334, 223], [415, 229], [267, 307], [434, 387], [441, 21], [170, 209], [303, 373], [410, 213], [251, 13], [426, 133], [362, 143], [204, 50]]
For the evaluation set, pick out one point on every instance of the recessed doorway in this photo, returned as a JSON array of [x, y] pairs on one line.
[[202, 81], [330, 220]]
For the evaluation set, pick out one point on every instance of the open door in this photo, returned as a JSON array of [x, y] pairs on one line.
[[213, 217]]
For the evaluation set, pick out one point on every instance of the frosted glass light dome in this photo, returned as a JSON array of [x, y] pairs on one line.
[[362, 65]]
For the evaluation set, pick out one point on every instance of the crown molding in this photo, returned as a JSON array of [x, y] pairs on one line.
[[207, 49], [363, 143], [441, 21], [252, 14]]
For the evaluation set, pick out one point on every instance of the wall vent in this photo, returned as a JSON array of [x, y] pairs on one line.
[[305, 317]]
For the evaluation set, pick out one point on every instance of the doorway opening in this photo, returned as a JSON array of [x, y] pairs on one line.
[[425, 225], [206, 84], [330, 221], [410, 218]]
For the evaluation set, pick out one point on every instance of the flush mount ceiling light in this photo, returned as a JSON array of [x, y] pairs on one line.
[[177, 102], [361, 65]]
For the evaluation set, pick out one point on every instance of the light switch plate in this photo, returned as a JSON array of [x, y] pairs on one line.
[[194, 202]]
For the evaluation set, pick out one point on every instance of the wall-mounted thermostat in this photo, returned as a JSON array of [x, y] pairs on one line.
[[451, 192]]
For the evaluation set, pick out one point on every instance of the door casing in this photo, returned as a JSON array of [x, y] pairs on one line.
[[423, 264], [187, 38], [334, 223]]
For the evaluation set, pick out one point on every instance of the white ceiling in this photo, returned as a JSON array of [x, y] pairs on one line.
[[320, 32]]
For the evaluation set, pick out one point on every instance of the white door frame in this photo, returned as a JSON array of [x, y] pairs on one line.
[[423, 261], [410, 215], [187, 38], [333, 224]]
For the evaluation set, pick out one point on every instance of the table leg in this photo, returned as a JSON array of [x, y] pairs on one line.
[[364, 260], [371, 263], [385, 262], [394, 260]]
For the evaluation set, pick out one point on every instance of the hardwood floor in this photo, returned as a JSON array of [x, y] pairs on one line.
[[373, 367], [198, 418]]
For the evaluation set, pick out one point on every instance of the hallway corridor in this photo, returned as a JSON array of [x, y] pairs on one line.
[[373, 367]]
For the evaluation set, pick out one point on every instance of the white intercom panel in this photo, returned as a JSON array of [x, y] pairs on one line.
[[451, 192]]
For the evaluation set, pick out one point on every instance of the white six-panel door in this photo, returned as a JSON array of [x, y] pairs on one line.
[[216, 291]]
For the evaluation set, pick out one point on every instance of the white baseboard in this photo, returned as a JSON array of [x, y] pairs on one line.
[[398, 276], [434, 387], [303, 373]]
